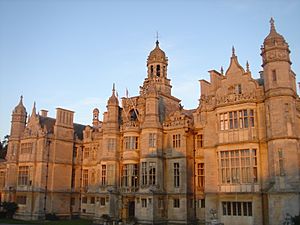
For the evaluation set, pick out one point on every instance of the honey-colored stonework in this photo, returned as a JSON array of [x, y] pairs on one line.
[[235, 157]]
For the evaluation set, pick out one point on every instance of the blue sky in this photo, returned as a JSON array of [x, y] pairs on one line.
[[68, 53]]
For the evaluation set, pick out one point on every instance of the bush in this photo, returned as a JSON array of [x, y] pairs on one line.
[[51, 216], [106, 217], [296, 220], [9, 208]]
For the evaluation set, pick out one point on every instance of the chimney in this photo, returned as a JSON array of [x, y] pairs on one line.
[[44, 113]]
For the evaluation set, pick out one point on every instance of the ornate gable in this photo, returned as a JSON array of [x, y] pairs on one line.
[[236, 86]]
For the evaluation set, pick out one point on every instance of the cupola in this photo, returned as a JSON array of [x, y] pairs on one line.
[[157, 63]]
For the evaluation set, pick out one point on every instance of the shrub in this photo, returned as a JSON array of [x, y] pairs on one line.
[[51, 216], [9, 208]]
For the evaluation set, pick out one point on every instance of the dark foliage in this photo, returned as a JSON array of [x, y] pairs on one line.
[[296, 220], [51, 216], [9, 209], [3, 147]]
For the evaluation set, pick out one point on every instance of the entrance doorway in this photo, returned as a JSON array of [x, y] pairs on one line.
[[131, 209]]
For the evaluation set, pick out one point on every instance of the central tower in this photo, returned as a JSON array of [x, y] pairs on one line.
[[157, 64]]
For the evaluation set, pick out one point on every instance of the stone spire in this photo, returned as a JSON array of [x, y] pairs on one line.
[[18, 121], [273, 37], [113, 100], [247, 66], [233, 52], [20, 108], [275, 48], [33, 109]]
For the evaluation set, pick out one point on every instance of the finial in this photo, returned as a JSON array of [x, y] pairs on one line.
[[222, 70], [33, 109], [21, 100], [233, 51], [272, 23], [113, 90], [157, 42], [247, 66]]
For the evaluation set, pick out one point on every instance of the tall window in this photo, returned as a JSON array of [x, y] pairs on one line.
[[2, 179], [238, 166], [176, 203], [151, 70], [158, 70], [233, 120], [144, 203], [144, 173], [23, 177], [85, 178], [274, 76], [200, 175], [131, 142], [130, 175], [111, 144], [103, 175], [26, 148], [73, 178], [238, 89], [237, 119], [199, 140], [152, 173], [224, 121], [93, 153], [237, 208], [93, 177], [281, 162], [176, 141], [110, 174], [152, 140], [86, 153], [176, 175]]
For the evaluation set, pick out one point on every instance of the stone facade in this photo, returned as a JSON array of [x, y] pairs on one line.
[[234, 158]]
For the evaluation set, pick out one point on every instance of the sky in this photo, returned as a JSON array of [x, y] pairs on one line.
[[68, 53]]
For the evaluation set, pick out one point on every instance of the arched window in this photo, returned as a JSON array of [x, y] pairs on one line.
[[158, 70], [151, 70], [133, 115]]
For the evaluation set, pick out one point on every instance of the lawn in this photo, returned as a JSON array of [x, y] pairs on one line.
[[57, 222]]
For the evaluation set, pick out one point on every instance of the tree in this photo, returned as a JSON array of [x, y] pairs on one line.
[[3, 147]]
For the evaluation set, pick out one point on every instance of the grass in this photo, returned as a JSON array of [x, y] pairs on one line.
[[57, 222]]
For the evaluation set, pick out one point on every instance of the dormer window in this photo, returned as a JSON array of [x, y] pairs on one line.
[[158, 70]]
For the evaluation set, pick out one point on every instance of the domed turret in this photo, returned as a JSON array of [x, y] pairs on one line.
[[273, 37], [18, 121], [20, 108], [275, 47], [157, 63], [113, 100], [157, 55]]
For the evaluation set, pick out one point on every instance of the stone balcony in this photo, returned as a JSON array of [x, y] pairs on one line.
[[130, 126]]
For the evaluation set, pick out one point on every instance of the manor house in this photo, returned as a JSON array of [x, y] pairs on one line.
[[235, 158]]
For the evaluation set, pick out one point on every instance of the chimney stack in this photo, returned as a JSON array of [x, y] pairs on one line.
[[44, 113]]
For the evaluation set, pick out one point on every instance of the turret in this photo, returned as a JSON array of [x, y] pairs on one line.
[[157, 64], [113, 109], [282, 136], [276, 63], [96, 117], [18, 122]]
